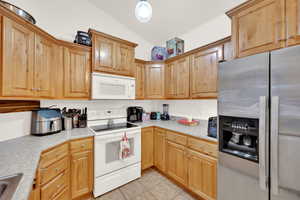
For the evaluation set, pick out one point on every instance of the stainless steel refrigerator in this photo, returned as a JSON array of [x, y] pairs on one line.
[[259, 127]]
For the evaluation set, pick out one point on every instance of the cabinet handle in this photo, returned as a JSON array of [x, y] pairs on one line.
[[56, 169]]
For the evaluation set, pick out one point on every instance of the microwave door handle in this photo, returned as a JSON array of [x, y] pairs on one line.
[[274, 145], [262, 142]]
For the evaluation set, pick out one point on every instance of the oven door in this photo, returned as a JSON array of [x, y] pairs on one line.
[[107, 149], [112, 87]]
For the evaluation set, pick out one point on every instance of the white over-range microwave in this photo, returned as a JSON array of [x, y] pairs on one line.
[[107, 86]]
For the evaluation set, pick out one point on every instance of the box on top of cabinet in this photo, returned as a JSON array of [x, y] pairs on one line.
[[175, 47]]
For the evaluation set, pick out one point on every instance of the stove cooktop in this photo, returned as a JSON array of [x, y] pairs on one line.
[[101, 128]]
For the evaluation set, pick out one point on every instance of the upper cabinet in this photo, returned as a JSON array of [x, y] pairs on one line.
[[293, 22], [139, 79], [111, 54], [155, 81], [204, 73], [258, 26], [177, 79], [77, 72]]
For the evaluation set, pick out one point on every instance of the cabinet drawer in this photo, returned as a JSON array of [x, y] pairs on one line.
[[82, 145], [64, 195], [204, 147], [54, 187], [177, 138], [53, 155], [53, 170]]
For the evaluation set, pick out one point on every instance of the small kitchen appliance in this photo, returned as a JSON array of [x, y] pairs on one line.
[[135, 114], [46, 121], [153, 116], [165, 115]]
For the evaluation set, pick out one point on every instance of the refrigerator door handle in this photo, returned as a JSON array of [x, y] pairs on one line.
[[274, 144], [262, 142]]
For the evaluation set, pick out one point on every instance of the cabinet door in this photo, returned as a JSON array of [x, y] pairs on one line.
[[159, 148], [155, 81], [81, 173], [18, 60], [293, 22], [170, 82], [147, 148], [176, 162], [202, 174], [228, 51], [104, 54], [140, 81], [77, 73], [183, 78], [34, 194], [204, 74], [124, 59], [44, 65], [259, 28]]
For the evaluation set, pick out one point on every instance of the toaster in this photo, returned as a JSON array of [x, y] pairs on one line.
[[46, 121]]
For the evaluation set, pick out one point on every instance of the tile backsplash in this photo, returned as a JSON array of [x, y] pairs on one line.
[[14, 125]]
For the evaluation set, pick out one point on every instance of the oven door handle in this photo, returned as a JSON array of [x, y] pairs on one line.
[[119, 135], [262, 142]]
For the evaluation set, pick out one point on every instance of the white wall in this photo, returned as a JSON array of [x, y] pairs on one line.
[[198, 109], [14, 125], [63, 18], [213, 30]]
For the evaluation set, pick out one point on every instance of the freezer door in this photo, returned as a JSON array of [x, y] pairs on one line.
[[241, 84], [285, 124], [244, 92]]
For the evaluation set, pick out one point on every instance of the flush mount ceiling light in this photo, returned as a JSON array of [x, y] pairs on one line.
[[143, 11]]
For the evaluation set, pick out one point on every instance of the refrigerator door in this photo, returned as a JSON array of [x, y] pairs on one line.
[[243, 86], [285, 124]]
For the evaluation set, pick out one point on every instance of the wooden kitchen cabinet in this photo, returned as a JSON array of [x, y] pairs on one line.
[[228, 51], [82, 166], [18, 60], [139, 79], [176, 166], [177, 79], [111, 54], [204, 73], [293, 22], [155, 81], [202, 174], [160, 149], [77, 72], [258, 26], [147, 148]]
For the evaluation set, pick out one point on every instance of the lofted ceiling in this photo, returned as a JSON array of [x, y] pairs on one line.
[[170, 17]]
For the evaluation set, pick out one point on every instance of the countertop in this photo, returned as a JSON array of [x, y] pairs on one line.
[[199, 131], [21, 155]]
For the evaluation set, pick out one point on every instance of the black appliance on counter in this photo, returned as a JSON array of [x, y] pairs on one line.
[[212, 127], [153, 115], [165, 115], [83, 38], [239, 137], [135, 114]]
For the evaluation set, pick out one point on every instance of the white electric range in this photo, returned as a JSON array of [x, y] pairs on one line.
[[110, 171]]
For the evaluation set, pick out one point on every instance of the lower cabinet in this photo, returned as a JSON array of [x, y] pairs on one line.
[[147, 148], [159, 149], [176, 162], [81, 173], [202, 174]]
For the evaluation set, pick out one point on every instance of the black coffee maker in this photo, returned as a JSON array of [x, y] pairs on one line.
[[135, 114]]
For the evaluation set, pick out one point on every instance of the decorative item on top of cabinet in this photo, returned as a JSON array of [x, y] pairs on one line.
[[258, 26], [204, 73], [293, 22], [111, 54], [202, 174], [82, 165], [155, 80], [160, 149], [147, 148], [140, 79], [77, 71]]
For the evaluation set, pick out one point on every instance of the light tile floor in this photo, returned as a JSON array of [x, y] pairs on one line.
[[151, 186]]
